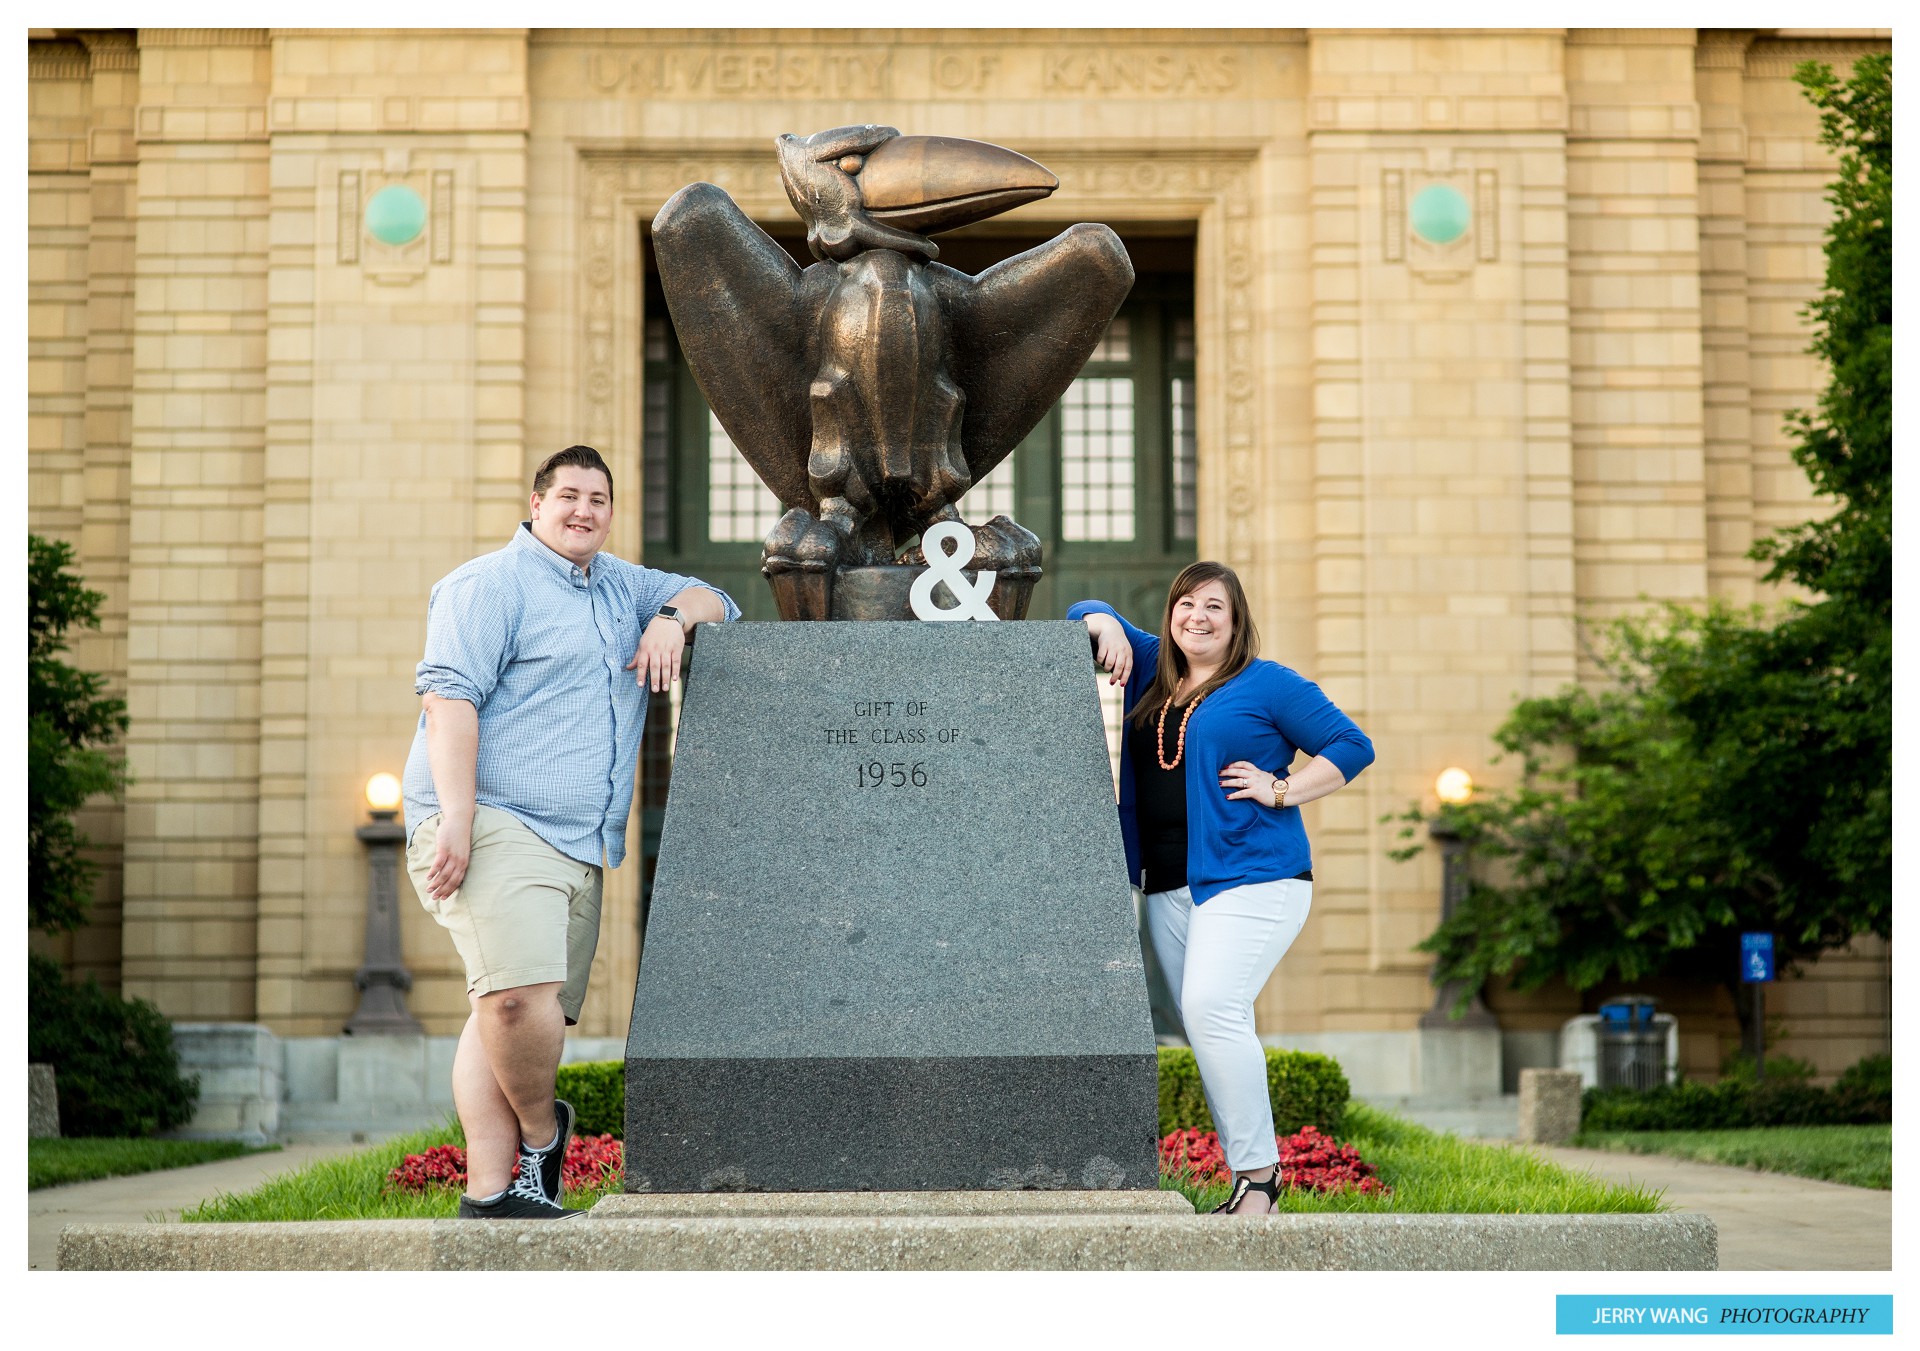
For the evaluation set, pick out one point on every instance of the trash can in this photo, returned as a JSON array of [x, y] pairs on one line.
[[1633, 1052]]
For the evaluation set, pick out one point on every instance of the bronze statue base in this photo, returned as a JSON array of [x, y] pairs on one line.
[[881, 593]]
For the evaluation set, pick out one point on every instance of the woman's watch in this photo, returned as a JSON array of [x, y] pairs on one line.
[[1279, 791]]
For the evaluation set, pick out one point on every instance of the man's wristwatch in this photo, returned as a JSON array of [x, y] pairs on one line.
[[1279, 791], [669, 612]]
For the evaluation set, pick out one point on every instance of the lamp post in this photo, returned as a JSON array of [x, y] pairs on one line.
[[383, 980], [1453, 786]]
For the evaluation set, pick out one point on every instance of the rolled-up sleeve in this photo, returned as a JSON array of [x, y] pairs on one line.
[[1146, 646], [469, 634], [651, 589]]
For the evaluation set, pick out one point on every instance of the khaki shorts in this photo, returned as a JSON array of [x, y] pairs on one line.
[[525, 913]]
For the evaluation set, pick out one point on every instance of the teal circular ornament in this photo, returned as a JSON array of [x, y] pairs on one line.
[[396, 215], [1439, 214]]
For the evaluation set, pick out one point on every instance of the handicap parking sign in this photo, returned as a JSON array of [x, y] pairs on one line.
[[1756, 958]]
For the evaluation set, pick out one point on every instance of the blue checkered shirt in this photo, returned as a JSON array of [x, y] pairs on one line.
[[540, 649]]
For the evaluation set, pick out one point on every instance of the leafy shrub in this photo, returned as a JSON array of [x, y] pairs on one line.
[[1787, 1102], [1868, 1074], [1306, 1090], [1863, 1096], [1864, 1089], [113, 1059], [1685, 1106], [1738, 1064], [598, 1091]]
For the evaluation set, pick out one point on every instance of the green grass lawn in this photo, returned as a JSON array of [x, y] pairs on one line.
[[1860, 1156], [1428, 1172], [352, 1187], [53, 1162], [1443, 1174]]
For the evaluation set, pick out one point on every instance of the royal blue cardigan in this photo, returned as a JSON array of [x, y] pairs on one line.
[[1263, 715]]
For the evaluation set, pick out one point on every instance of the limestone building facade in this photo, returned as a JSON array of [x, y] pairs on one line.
[[1484, 332]]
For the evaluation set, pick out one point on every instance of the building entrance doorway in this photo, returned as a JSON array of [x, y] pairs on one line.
[[1107, 479]]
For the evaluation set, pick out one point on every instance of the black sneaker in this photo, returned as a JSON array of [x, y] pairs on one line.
[[513, 1205], [543, 1166]]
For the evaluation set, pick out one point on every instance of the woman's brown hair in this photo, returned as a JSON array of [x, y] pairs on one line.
[[1242, 647]]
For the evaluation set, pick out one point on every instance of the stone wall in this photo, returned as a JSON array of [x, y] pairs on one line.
[[267, 432]]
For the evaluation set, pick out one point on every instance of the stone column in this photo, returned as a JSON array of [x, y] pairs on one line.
[[1633, 211], [1443, 541], [113, 165], [194, 621], [394, 431], [1720, 79]]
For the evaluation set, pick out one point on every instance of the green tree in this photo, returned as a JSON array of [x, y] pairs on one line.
[[1730, 773], [69, 722]]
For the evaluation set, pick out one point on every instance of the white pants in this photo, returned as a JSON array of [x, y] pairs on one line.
[[1216, 957]]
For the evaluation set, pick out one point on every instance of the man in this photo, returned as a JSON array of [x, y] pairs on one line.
[[517, 791]]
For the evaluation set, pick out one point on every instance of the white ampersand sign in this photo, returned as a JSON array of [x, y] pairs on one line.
[[949, 547]]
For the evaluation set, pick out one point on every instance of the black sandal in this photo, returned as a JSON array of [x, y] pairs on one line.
[[1244, 1184]]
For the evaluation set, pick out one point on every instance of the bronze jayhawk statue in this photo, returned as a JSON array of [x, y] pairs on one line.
[[872, 389]]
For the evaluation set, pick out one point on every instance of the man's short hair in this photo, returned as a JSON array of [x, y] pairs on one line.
[[580, 457]]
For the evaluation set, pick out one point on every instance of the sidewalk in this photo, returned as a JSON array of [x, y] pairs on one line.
[[1767, 1221], [159, 1196]]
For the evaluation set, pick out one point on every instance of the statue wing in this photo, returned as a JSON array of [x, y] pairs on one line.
[[735, 297], [1022, 330]]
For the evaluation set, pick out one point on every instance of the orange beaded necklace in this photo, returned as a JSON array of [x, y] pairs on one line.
[[1160, 733]]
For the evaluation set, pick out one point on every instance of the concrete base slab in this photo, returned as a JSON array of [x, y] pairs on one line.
[[915, 1243], [739, 1205]]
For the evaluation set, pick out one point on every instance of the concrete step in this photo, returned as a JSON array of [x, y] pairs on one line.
[[907, 1242]]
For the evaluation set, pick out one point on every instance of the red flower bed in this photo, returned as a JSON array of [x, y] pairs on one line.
[[1308, 1160], [592, 1161], [441, 1166]]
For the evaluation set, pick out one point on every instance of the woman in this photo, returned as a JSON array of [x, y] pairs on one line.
[[1210, 813]]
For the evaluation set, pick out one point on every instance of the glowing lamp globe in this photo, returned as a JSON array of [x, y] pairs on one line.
[[383, 792], [1453, 786]]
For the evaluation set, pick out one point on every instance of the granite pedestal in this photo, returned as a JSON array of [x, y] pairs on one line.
[[891, 944]]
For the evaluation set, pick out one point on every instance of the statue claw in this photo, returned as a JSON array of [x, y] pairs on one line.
[[798, 560], [1007, 547]]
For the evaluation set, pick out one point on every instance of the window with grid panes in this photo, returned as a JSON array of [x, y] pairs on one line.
[[740, 508], [1184, 443], [656, 480]]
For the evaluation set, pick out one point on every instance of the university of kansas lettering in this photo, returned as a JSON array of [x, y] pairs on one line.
[[1174, 72], [761, 70]]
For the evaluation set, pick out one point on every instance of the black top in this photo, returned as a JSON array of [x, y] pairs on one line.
[[1160, 802]]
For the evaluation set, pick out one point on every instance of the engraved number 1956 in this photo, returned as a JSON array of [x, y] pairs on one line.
[[874, 774]]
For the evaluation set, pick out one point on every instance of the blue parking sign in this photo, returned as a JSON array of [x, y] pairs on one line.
[[1756, 958]]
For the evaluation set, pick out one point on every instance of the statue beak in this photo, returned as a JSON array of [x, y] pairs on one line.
[[926, 184]]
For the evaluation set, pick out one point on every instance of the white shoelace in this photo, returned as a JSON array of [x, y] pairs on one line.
[[526, 1181]]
